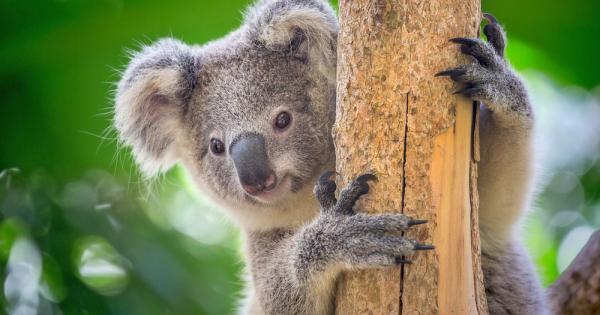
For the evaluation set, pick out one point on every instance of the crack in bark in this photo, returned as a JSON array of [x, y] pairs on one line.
[[403, 193]]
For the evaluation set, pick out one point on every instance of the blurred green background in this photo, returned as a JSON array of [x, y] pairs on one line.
[[82, 234]]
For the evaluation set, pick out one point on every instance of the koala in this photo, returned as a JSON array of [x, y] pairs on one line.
[[249, 117]]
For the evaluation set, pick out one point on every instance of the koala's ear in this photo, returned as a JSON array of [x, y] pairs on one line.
[[307, 28], [151, 99]]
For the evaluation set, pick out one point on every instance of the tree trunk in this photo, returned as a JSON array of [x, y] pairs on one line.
[[395, 119], [577, 290]]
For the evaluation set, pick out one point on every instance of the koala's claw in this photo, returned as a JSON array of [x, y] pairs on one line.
[[383, 251], [478, 49], [454, 74], [351, 193], [326, 177], [464, 41], [325, 190], [489, 79], [366, 178], [414, 222], [495, 34], [423, 247], [492, 19]]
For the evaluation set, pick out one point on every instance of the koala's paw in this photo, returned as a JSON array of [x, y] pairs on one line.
[[489, 78], [361, 240], [325, 193]]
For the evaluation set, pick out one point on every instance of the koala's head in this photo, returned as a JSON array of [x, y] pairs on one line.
[[248, 115]]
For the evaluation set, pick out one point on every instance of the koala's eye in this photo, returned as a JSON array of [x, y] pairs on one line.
[[283, 120], [217, 146]]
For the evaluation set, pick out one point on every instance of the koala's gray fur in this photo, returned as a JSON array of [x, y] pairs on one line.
[[175, 100]]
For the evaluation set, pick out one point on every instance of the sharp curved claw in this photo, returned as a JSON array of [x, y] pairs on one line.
[[326, 181], [350, 194], [492, 19], [325, 177], [325, 190], [495, 34], [463, 41], [423, 247], [451, 73], [416, 222], [366, 178]]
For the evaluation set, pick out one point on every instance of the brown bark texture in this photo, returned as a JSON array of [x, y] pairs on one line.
[[394, 118], [577, 290]]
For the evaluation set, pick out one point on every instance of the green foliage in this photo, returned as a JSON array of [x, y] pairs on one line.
[[100, 254], [563, 33]]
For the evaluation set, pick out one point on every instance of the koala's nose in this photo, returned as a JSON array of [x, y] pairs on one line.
[[251, 162]]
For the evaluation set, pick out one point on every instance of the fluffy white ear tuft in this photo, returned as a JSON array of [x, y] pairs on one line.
[[305, 27], [151, 99]]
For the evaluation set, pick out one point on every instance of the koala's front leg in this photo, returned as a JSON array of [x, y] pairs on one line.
[[505, 130], [505, 170], [297, 276]]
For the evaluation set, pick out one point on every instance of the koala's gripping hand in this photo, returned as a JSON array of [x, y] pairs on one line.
[[340, 237], [490, 78]]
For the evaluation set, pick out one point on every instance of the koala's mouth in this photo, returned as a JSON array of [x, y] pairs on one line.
[[277, 193]]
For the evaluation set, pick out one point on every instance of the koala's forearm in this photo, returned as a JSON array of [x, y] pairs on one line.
[[505, 170], [505, 173], [290, 274], [294, 272], [505, 178], [505, 132]]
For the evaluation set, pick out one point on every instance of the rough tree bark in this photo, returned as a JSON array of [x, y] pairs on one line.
[[395, 119], [577, 290]]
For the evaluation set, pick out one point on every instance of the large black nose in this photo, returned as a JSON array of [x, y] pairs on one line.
[[251, 161]]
